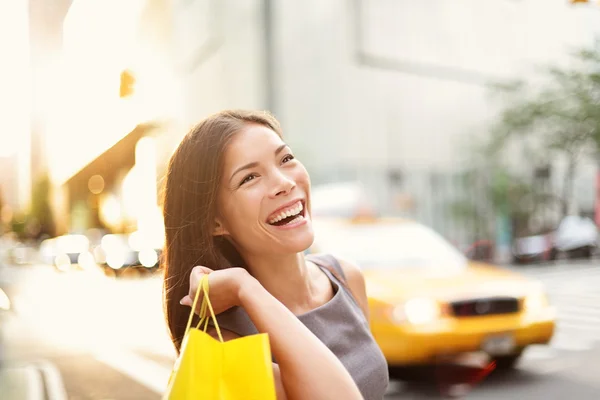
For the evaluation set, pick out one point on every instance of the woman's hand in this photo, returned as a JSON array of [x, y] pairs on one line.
[[224, 287]]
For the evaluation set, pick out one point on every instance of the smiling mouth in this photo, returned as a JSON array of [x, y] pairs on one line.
[[290, 216]]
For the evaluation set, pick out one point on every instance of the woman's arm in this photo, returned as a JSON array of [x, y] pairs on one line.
[[306, 368]]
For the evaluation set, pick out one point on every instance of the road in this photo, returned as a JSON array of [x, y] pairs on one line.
[[83, 336], [567, 367]]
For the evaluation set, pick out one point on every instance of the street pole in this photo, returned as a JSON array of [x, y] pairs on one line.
[[269, 43], [597, 205]]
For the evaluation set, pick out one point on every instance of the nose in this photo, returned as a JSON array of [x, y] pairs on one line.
[[282, 184]]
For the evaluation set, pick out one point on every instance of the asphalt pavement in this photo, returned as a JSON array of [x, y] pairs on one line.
[[83, 336]]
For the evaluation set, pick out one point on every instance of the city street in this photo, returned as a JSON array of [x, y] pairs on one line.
[[401, 135], [81, 336]]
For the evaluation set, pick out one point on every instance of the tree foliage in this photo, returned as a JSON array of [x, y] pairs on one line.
[[559, 119], [42, 219], [538, 124]]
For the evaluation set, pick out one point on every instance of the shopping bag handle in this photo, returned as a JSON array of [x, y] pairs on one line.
[[203, 287]]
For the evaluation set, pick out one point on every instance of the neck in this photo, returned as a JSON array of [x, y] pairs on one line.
[[287, 278]]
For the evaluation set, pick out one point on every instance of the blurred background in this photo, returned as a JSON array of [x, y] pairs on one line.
[[479, 120]]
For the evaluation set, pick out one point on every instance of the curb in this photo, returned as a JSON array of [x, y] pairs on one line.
[[32, 381]]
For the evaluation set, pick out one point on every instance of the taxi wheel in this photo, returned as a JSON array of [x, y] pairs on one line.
[[506, 363]]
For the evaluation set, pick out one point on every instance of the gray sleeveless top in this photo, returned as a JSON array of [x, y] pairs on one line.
[[341, 325]]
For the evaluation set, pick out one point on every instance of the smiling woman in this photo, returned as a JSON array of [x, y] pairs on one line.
[[237, 207]]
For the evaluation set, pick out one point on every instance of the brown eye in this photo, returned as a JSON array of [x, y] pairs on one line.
[[287, 158], [248, 179]]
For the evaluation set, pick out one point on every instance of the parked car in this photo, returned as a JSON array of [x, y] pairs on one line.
[[576, 237], [67, 252], [481, 250], [536, 248], [427, 300], [121, 252]]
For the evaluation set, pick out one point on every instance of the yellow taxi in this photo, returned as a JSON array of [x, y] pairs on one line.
[[428, 301]]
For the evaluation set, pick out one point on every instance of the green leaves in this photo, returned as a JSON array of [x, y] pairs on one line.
[[561, 117], [564, 114]]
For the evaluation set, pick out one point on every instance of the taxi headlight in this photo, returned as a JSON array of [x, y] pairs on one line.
[[536, 301], [417, 311]]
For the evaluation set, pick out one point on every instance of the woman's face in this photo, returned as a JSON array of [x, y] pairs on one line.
[[264, 196]]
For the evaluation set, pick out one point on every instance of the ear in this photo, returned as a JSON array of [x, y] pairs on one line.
[[219, 228]]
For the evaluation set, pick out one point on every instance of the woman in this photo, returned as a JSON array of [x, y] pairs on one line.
[[237, 207]]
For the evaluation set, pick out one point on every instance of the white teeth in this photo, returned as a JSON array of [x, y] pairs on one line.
[[298, 218], [293, 211]]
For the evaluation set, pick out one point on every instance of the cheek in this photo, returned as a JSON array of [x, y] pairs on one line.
[[241, 211], [301, 175]]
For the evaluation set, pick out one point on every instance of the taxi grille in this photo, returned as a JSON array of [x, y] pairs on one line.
[[485, 306]]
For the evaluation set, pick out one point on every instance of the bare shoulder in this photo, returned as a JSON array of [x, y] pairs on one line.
[[356, 283], [353, 274]]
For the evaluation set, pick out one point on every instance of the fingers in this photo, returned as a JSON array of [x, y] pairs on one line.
[[201, 270], [186, 301], [197, 273]]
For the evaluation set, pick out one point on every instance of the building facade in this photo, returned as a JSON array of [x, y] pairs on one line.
[[386, 92]]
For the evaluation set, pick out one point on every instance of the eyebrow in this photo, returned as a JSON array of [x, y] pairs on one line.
[[255, 164]]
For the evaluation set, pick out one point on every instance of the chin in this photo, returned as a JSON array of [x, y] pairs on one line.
[[298, 244]]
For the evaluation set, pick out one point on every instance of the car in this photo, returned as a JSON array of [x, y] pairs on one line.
[[121, 254], [576, 237], [534, 249], [428, 302], [67, 252]]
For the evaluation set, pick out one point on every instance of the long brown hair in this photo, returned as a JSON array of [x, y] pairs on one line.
[[189, 208]]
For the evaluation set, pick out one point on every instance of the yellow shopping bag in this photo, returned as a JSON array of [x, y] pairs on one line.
[[209, 369]]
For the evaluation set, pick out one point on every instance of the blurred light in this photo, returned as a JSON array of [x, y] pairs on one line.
[[110, 210], [99, 255], [47, 249], [146, 202], [131, 193], [109, 242], [420, 311], [72, 244], [398, 314], [86, 260], [115, 259], [20, 255], [127, 84], [135, 240], [62, 262], [96, 184], [148, 258], [4, 301]]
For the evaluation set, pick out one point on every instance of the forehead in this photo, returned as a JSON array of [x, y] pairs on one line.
[[251, 144]]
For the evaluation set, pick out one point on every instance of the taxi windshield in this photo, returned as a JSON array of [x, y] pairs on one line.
[[404, 245]]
